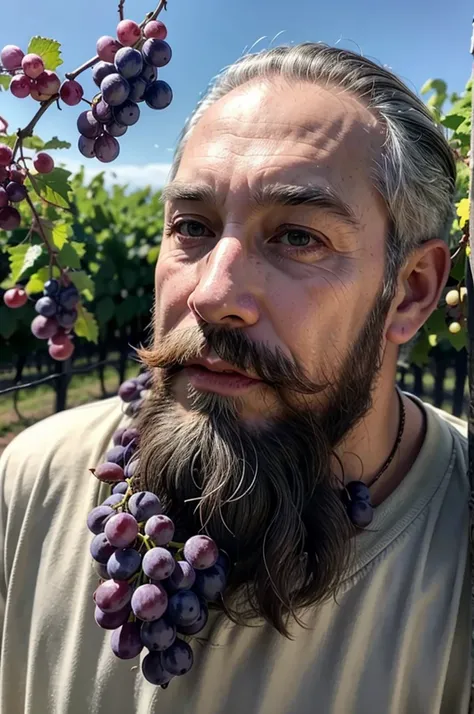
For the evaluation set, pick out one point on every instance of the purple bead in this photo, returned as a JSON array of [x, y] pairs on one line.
[[360, 513]]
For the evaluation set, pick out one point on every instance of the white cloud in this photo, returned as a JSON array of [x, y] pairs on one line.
[[134, 175]]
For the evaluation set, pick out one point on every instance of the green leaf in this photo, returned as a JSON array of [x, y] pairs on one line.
[[33, 142], [9, 140], [5, 81], [462, 209], [129, 278], [420, 351], [105, 309], [127, 310], [436, 322], [458, 340], [83, 283], [54, 187], [22, 258], [8, 322], [153, 254], [56, 143], [86, 325], [49, 51], [68, 257], [36, 282], [80, 248], [436, 85], [60, 234]]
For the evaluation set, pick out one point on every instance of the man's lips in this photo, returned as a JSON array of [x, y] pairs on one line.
[[215, 375]]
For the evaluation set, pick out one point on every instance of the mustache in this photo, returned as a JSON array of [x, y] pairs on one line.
[[270, 365]]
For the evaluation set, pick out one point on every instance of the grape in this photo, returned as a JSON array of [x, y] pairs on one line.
[[129, 435], [123, 563], [115, 89], [15, 297], [106, 148], [452, 298], [125, 641], [102, 112], [149, 602], [115, 455], [32, 65], [66, 318], [178, 659], [20, 86], [121, 487], [118, 433], [158, 635], [158, 95], [17, 174], [107, 48], [71, 92], [47, 84], [184, 608], [51, 287], [149, 73], [121, 530], [200, 623], [112, 620], [97, 518], [224, 562], [69, 297], [144, 379], [128, 32], [46, 306], [44, 328], [201, 552], [101, 549], [128, 62], [128, 391], [158, 563], [109, 472], [131, 468], [127, 113], [102, 70], [143, 505], [101, 570], [210, 583], [156, 52], [3, 197], [86, 147], [6, 155], [4, 173], [155, 30], [16, 192], [188, 575], [63, 351], [153, 670], [11, 57], [112, 595], [87, 125], [454, 328], [115, 129], [137, 89], [113, 499], [160, 529], [9, 218], [43, 163]]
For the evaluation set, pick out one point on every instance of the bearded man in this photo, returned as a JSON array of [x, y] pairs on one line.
[[305, 233]]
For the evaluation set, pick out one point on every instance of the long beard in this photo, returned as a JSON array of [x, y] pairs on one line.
[[268, 495]]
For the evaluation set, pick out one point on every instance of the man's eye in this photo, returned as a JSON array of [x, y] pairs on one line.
[[299, 239], [191, 229]]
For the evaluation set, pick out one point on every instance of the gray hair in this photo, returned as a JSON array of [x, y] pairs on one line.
[[416, 174]]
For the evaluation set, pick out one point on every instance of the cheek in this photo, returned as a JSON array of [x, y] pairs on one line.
[[174, 282]]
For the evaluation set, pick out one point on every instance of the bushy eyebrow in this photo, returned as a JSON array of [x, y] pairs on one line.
[[277, 194]]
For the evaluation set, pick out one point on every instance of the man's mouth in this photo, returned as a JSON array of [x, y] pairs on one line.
[[215, 375]]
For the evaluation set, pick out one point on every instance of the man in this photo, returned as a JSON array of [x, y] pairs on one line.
[[306, 219]]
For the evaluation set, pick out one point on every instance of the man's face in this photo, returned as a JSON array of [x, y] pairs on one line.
[[273, 227]]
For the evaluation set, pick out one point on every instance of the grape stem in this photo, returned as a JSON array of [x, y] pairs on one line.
[[120, 9], [82, 68]]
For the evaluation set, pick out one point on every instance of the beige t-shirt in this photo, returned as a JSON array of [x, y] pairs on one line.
[[397, 641]]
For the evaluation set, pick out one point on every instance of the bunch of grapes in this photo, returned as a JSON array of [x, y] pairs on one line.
[[154, 592], [12, 189], [126, 76], [455, 301]]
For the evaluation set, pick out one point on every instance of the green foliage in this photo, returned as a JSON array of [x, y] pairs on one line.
[[5, 80], [48, 50]]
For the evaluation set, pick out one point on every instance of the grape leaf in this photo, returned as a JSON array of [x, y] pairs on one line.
[[68, 257], [462, 209], [36, 282], [86, 325], [49, 51], [33, 142], [105, 309], [56, 143], [80, 248], [8, 322], [22, 257], [4, 81], [83, 283], [54, 187], [9, 140], [60, 234]]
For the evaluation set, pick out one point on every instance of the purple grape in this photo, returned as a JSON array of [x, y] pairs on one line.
[[201, 552], [101, 549], [128, 391], [97, 518], [137, 89], [149, 73], [200, 623], [106, 148], [127, 113], [129, 451], [184, 608], [123, 564], [153, 670], [66, 318], [114, 89], [113, 595], [158, 563], [113, 499], [160, 529], [158, 635], [115, 455], [128, 62], [101, 570], [112, 620], [143, 505], [178, 659], [121, 487], [51, 287], [158, 95], [145, 380], [210, 583], [131, 468], [46, 306], [102, 70], [121, 530], [109, 472], [224, 561], [117, 436], [69, 297], [149, 602], [115, 129], [16, 192], [188, 575], [102, 112], [88, 126], [129, 435], [156, 52], [86, 147], [125, 641]]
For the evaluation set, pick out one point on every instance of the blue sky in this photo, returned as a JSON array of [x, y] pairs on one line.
[[417, 39]]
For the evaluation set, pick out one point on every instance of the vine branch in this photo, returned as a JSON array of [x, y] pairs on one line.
[[120, 9], [28, 129]]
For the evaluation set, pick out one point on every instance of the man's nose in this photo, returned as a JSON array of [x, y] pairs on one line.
[[226, 292]]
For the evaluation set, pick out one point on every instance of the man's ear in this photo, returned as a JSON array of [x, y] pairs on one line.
[[420, 284]]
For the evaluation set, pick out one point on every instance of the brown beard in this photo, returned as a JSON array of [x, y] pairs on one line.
[[268, 496]]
